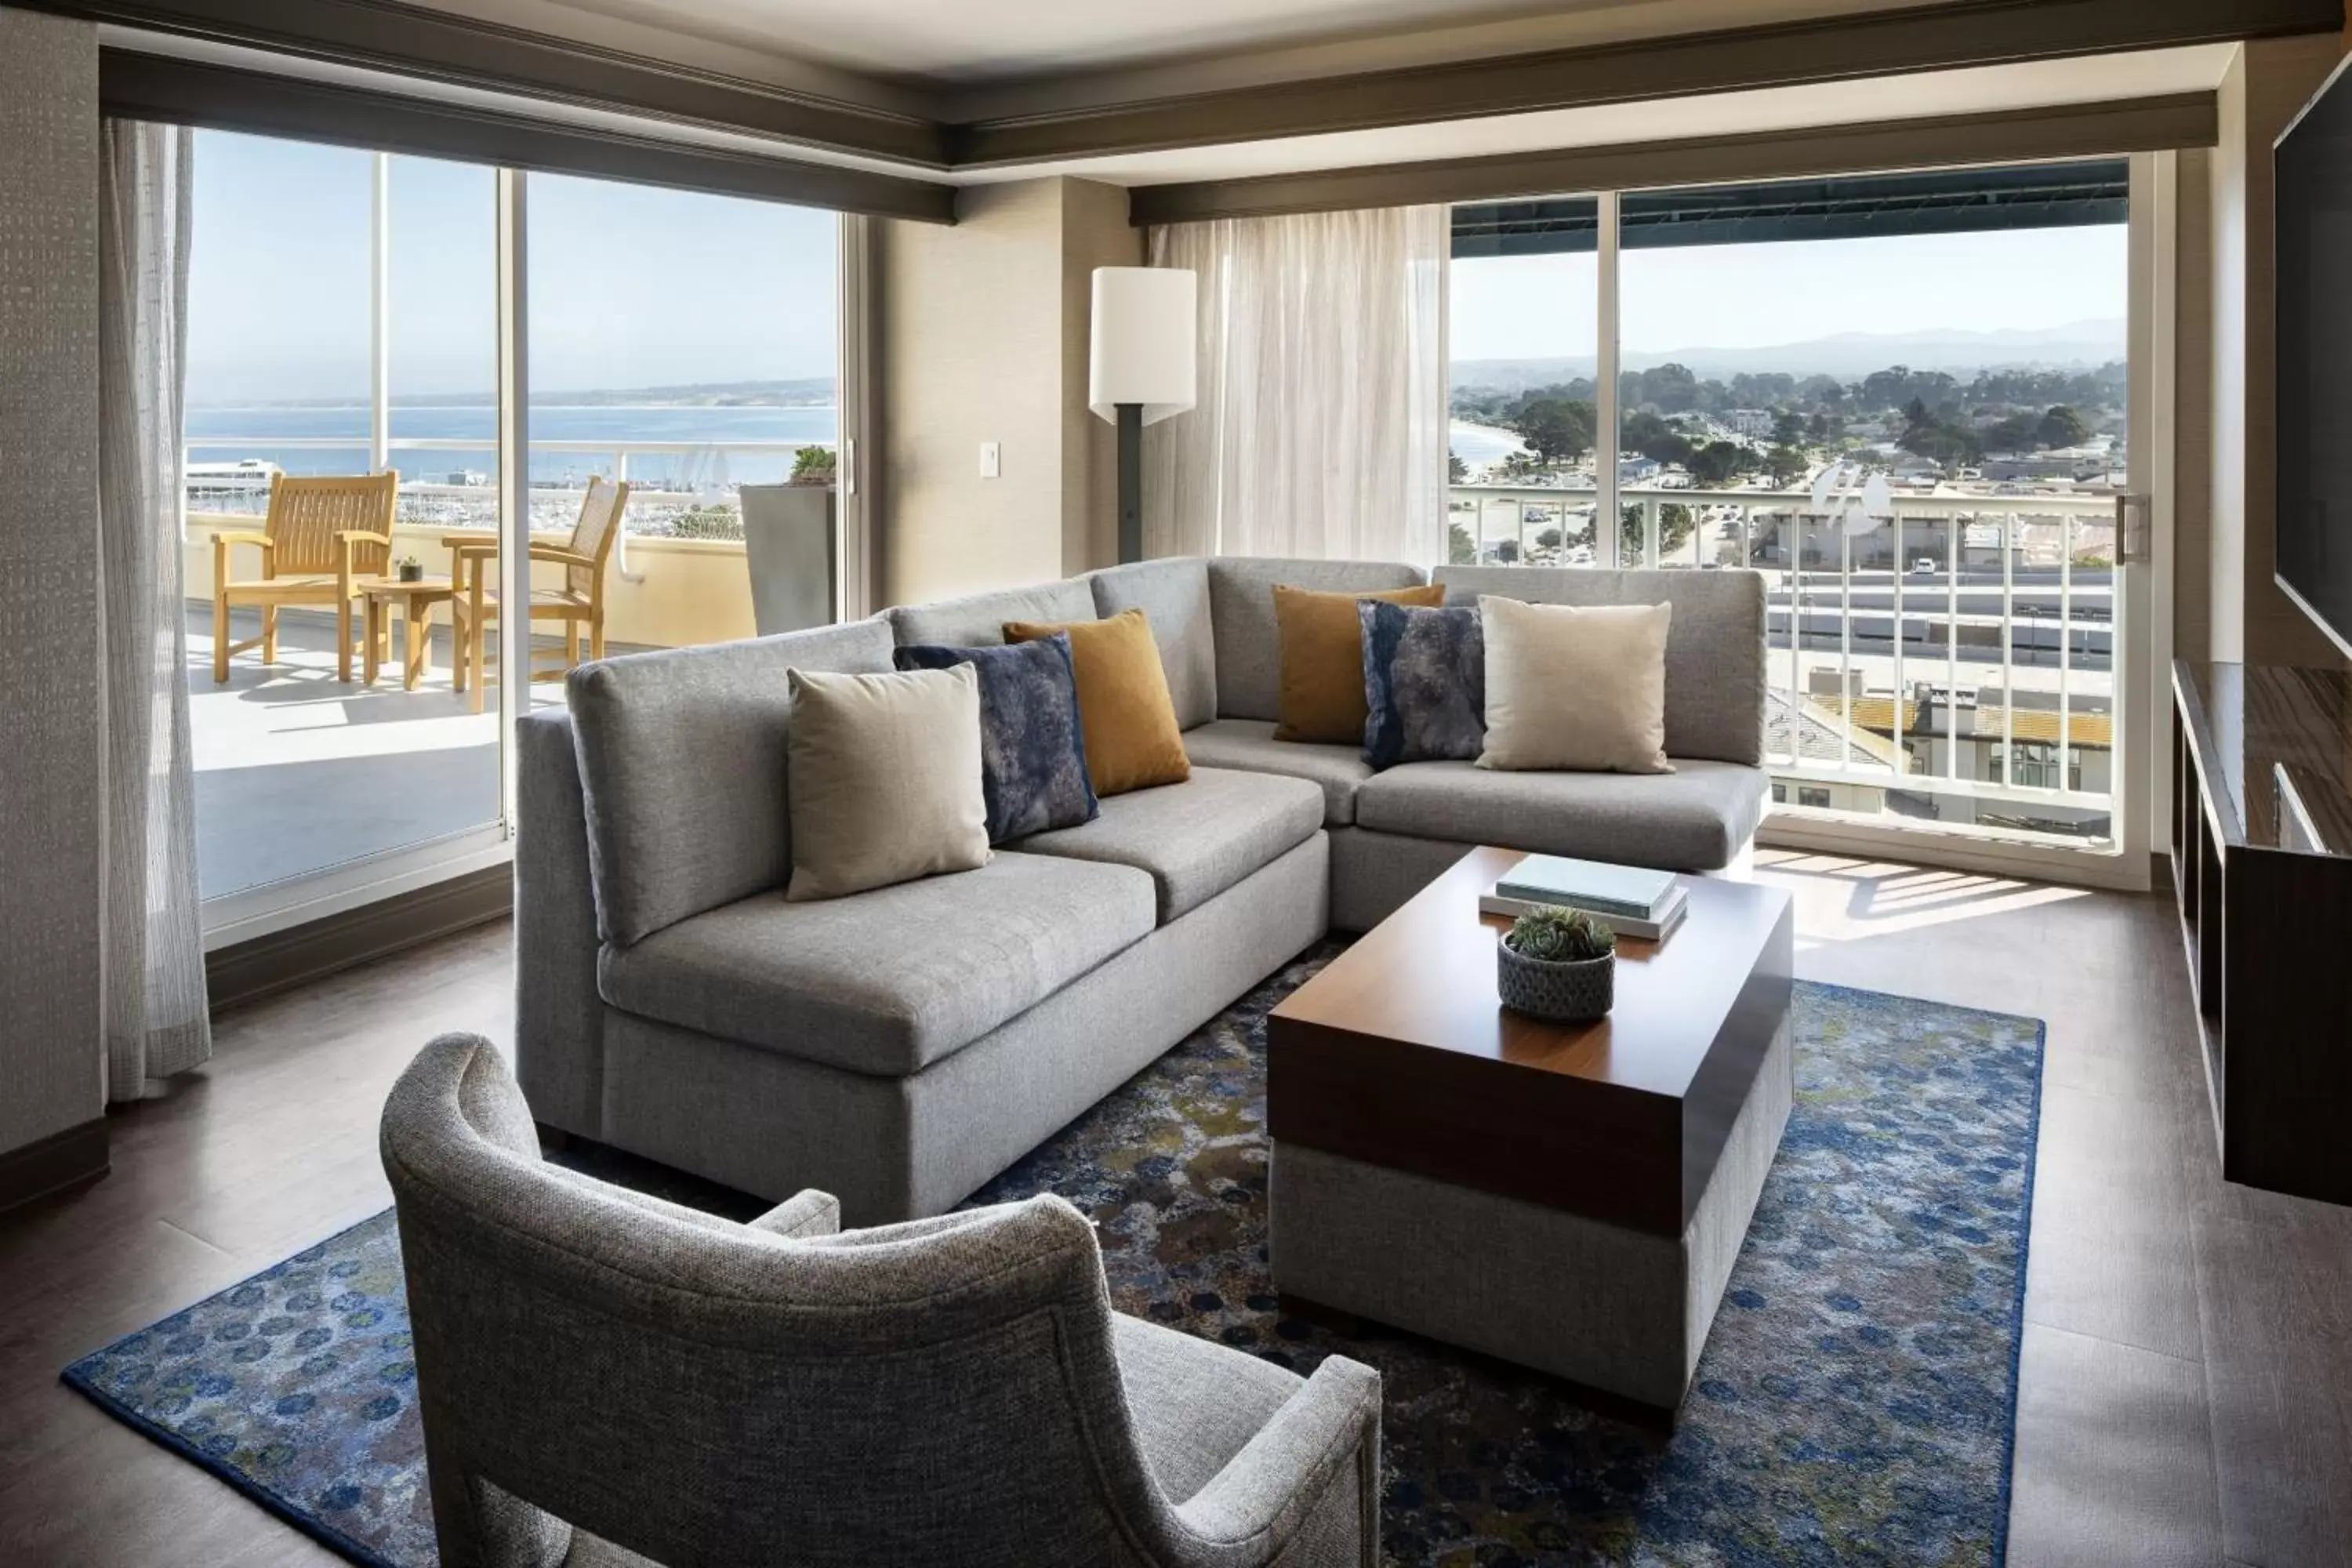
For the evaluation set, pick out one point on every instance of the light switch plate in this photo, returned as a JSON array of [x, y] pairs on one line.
[[991, 460]]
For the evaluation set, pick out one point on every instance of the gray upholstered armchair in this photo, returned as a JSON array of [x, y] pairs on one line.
[[598, 1368]]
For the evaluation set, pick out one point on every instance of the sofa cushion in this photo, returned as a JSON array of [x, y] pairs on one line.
[[1173, 596], [1579, 687], [885, 778], [1241, 607], [888, 980], [1715, 649], [1425, 683], [1323, 660], [1032, 754], [977, 619], [1131, 736], [682, 767], [1693, 819], [1248, 745], [1196, 838]]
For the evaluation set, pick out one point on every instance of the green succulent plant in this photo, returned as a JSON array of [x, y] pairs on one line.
[[1560, 936]]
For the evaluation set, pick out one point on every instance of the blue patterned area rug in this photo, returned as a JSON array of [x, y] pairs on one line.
[[1854, 1403]]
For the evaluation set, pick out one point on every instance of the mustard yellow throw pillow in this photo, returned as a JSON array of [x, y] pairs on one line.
[[1323, 660], [1131, 738]]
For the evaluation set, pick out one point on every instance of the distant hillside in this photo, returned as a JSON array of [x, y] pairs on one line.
[[1848, 356]]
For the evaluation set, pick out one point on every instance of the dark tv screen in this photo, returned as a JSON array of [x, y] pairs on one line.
[[2314, 162]]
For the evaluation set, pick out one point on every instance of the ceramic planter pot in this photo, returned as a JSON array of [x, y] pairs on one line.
[[1571, 993], [412, 571]]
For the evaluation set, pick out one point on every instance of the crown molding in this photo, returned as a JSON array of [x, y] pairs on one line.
[[177, 91], [2070, 131], [439, 45], [1953, 35]]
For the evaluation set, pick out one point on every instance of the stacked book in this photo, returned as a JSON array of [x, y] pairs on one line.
[[1633, 901]]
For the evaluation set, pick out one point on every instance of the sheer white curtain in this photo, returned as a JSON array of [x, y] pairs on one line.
[[154, 957], [1321, 421]]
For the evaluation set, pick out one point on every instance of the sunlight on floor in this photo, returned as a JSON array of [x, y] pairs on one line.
[[1840, 898], [297, 772]]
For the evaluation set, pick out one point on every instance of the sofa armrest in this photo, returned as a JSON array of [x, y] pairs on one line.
[[559, 1050], [1327, 1431], [805, 1213]]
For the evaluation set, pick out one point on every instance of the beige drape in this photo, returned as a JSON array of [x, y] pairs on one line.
[[153, 957], [1319, 428]]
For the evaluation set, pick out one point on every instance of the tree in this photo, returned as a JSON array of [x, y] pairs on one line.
[[1668, 388], [2062, 426], [1674, 525], [1717, 463], [2018, 433], [1940, 441], [1787, 427], [1786, 465], [1548, 538], [1654, 438], [1461, 550], [1507, 550], [1457, 470], [1558, 428]]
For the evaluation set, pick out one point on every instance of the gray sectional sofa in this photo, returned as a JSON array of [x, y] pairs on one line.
[[898, 1047]]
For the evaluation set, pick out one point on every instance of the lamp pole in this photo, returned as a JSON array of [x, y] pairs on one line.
[[1130, 482]]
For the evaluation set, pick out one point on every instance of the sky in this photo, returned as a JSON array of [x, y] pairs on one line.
[[1754, 296], [630, 285]]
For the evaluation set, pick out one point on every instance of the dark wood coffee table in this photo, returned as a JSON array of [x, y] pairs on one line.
[[1568, 1196]]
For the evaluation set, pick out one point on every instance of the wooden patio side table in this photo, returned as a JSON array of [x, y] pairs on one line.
[[414, 601]]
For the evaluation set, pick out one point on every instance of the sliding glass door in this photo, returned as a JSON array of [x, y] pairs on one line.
[[1907, 401], [340, 324], [347, 316]]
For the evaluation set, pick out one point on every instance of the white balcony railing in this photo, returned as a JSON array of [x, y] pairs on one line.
[[692, 496], [1960, 651]]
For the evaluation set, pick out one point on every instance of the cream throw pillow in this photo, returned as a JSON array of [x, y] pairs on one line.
[[882, 779], [1578, 688]]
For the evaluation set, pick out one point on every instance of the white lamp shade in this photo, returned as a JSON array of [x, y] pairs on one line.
[[1142, 349]]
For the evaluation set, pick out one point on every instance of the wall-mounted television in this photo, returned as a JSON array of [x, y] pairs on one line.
[[2313, 159]]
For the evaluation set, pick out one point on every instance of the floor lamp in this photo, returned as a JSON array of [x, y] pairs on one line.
[[1140, 370]]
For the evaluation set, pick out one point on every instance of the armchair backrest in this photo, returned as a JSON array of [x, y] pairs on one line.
[[702, 1392], [598, 527], [307, 513]]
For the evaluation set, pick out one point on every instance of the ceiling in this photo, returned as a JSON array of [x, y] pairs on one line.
[[956, 60]]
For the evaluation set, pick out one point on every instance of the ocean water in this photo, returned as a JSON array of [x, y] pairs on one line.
[[234, 434], [1479, 445], [284, 436]]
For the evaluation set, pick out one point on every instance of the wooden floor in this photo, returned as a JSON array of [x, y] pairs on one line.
[[2187, 1373]]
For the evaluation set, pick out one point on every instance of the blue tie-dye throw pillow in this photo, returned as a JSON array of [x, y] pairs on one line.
[[1425, 683], [1032, 754]]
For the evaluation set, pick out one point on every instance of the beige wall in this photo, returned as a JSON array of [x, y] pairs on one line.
[[982, 336], [2246, 615], [51, 1061]]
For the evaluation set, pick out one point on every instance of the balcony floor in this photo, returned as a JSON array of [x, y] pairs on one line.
[[297, 773]]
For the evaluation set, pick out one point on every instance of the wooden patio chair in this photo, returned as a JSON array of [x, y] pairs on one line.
[[320, 542], [579, 603]]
